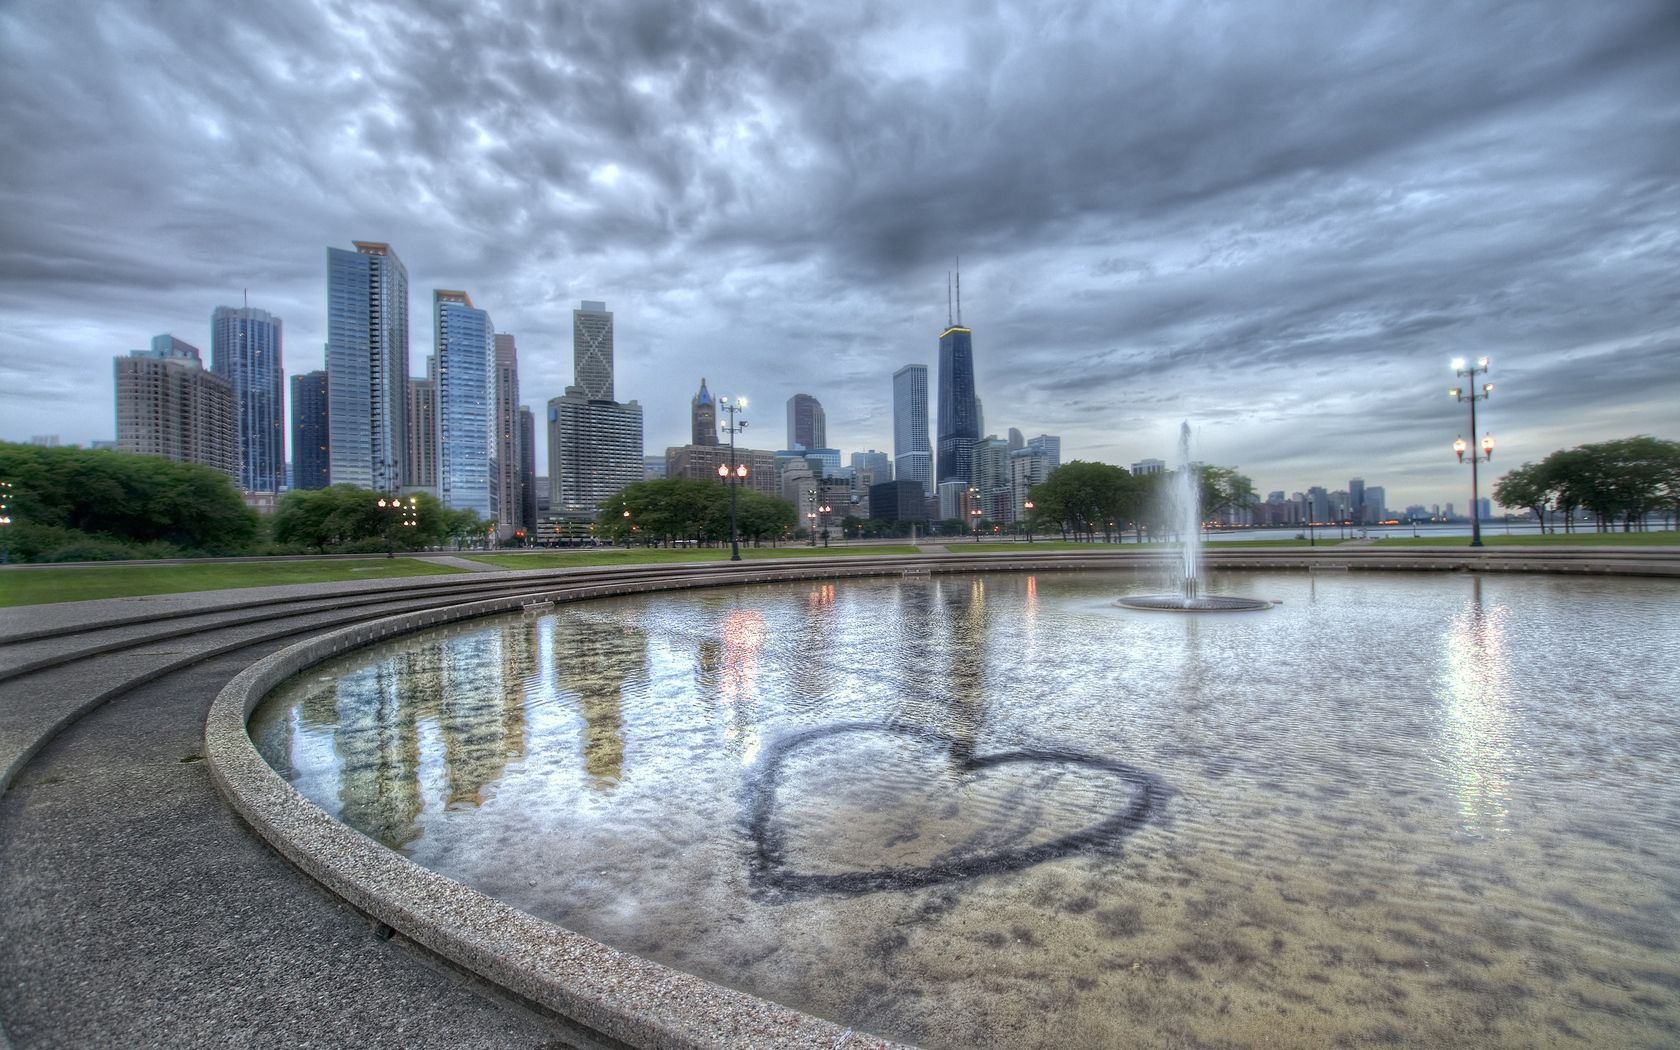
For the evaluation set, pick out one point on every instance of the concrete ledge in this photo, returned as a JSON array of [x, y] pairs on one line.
[[619, 995]]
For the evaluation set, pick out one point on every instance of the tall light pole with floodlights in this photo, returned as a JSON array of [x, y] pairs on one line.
[[5, 522], [734, 473], [1469, 393]]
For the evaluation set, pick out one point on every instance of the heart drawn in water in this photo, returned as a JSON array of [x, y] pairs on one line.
[[1115, 815]]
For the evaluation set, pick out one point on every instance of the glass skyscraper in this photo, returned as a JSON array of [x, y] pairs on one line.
[[912, 452], [592, 350], [367, 365], [310, 461], [466, 404], [959, 410], [245, 346]]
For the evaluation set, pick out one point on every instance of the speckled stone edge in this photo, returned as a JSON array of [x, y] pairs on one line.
[[619, 995]]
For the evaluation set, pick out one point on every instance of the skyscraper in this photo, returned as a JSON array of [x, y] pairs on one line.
[[310, 458], [703, 414], [594, 442], [509, 462], [367, 365], [527, 470], [912, 453], [466, 383], [245, 346], [877, 462], [1356, 499], [807, 427], [959, 411], [420, 465], [592, 350], [1051, 446], [168, 405]]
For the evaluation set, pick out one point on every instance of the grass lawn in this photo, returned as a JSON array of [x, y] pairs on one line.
[[40, 586], [1492, 538], [656, 555], [1059, 545]]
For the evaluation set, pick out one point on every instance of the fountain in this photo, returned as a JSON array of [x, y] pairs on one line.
[[1184, 502]]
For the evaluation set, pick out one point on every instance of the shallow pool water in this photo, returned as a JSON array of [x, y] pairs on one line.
[[974, 811]]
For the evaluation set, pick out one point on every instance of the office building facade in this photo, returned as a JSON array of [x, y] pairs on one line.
[[465, 342], [959, 409], [594, 449], [367, 365], [245, 349], [420, 466], [807, 426], [311, 459], [912, 449], [509, 467], [1050, 446], [169, 405], [592, 350], [527, 470], [701, 463]]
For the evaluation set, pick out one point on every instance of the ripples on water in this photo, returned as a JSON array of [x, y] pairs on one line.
[[1424, 810]]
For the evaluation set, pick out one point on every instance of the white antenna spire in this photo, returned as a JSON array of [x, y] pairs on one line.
[[959, 289], [948, 321]]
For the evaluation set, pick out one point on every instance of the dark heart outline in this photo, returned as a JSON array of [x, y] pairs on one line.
[[768, 865]]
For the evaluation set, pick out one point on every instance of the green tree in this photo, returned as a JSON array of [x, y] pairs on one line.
[[117, 504], [1084, 497], [1529, 485]]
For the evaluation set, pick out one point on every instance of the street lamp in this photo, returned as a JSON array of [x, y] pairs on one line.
[[975, 514], [733, 472], [405, 514], [1028, 507], [5, 522], [1470, 372], [824, 510]]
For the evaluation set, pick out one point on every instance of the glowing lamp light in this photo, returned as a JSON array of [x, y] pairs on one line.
[[1487, 446], [723, 470], [1459, 446], [741, 470], [1458, 364]]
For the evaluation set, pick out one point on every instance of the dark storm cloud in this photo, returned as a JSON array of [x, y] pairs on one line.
[[1278, 220]]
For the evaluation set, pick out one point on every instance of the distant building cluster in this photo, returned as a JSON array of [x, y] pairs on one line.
[[462, 433]]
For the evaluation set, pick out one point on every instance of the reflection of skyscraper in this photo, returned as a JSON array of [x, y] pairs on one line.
[[807, 426], [367, 365], [912, 453], [593, 660]]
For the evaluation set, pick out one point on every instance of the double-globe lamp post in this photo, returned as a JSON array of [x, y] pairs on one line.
[[1028, 507], [1469, 393], [5, 522], [733, 472]]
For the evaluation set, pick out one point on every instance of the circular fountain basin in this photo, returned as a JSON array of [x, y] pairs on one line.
[[999, 810], [1202, 603]]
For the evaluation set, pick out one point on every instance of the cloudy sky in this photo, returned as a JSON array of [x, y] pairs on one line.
[[1277, 220]]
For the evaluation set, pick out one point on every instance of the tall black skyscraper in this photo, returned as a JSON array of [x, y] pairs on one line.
[[310, 455], [959, 409]]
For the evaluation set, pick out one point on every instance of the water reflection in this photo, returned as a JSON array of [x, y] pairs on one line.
[[1476, 715], [595, 665]]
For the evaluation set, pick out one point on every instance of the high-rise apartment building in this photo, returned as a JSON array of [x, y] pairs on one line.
[[245, 348], [1376, 503], [878, 463], [702, 411], [594, 449], [168, 405], [959, 409], [1051, 446], [1356, 500], [527, 470], [594, 442], [509, 463], [466, 400], [420, 464], [367, 365], [310, 458], [990, 478], [912, 451], [807, 427], [592, 350], [1028, 466]]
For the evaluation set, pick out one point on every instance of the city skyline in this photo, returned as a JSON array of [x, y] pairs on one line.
[[1277, 222]]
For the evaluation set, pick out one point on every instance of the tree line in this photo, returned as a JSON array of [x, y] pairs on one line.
[[1629, 479], [72, 504], [682, 510], [1083, 499]]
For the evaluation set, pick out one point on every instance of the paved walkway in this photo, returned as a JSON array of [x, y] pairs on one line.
[[463, 563]]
